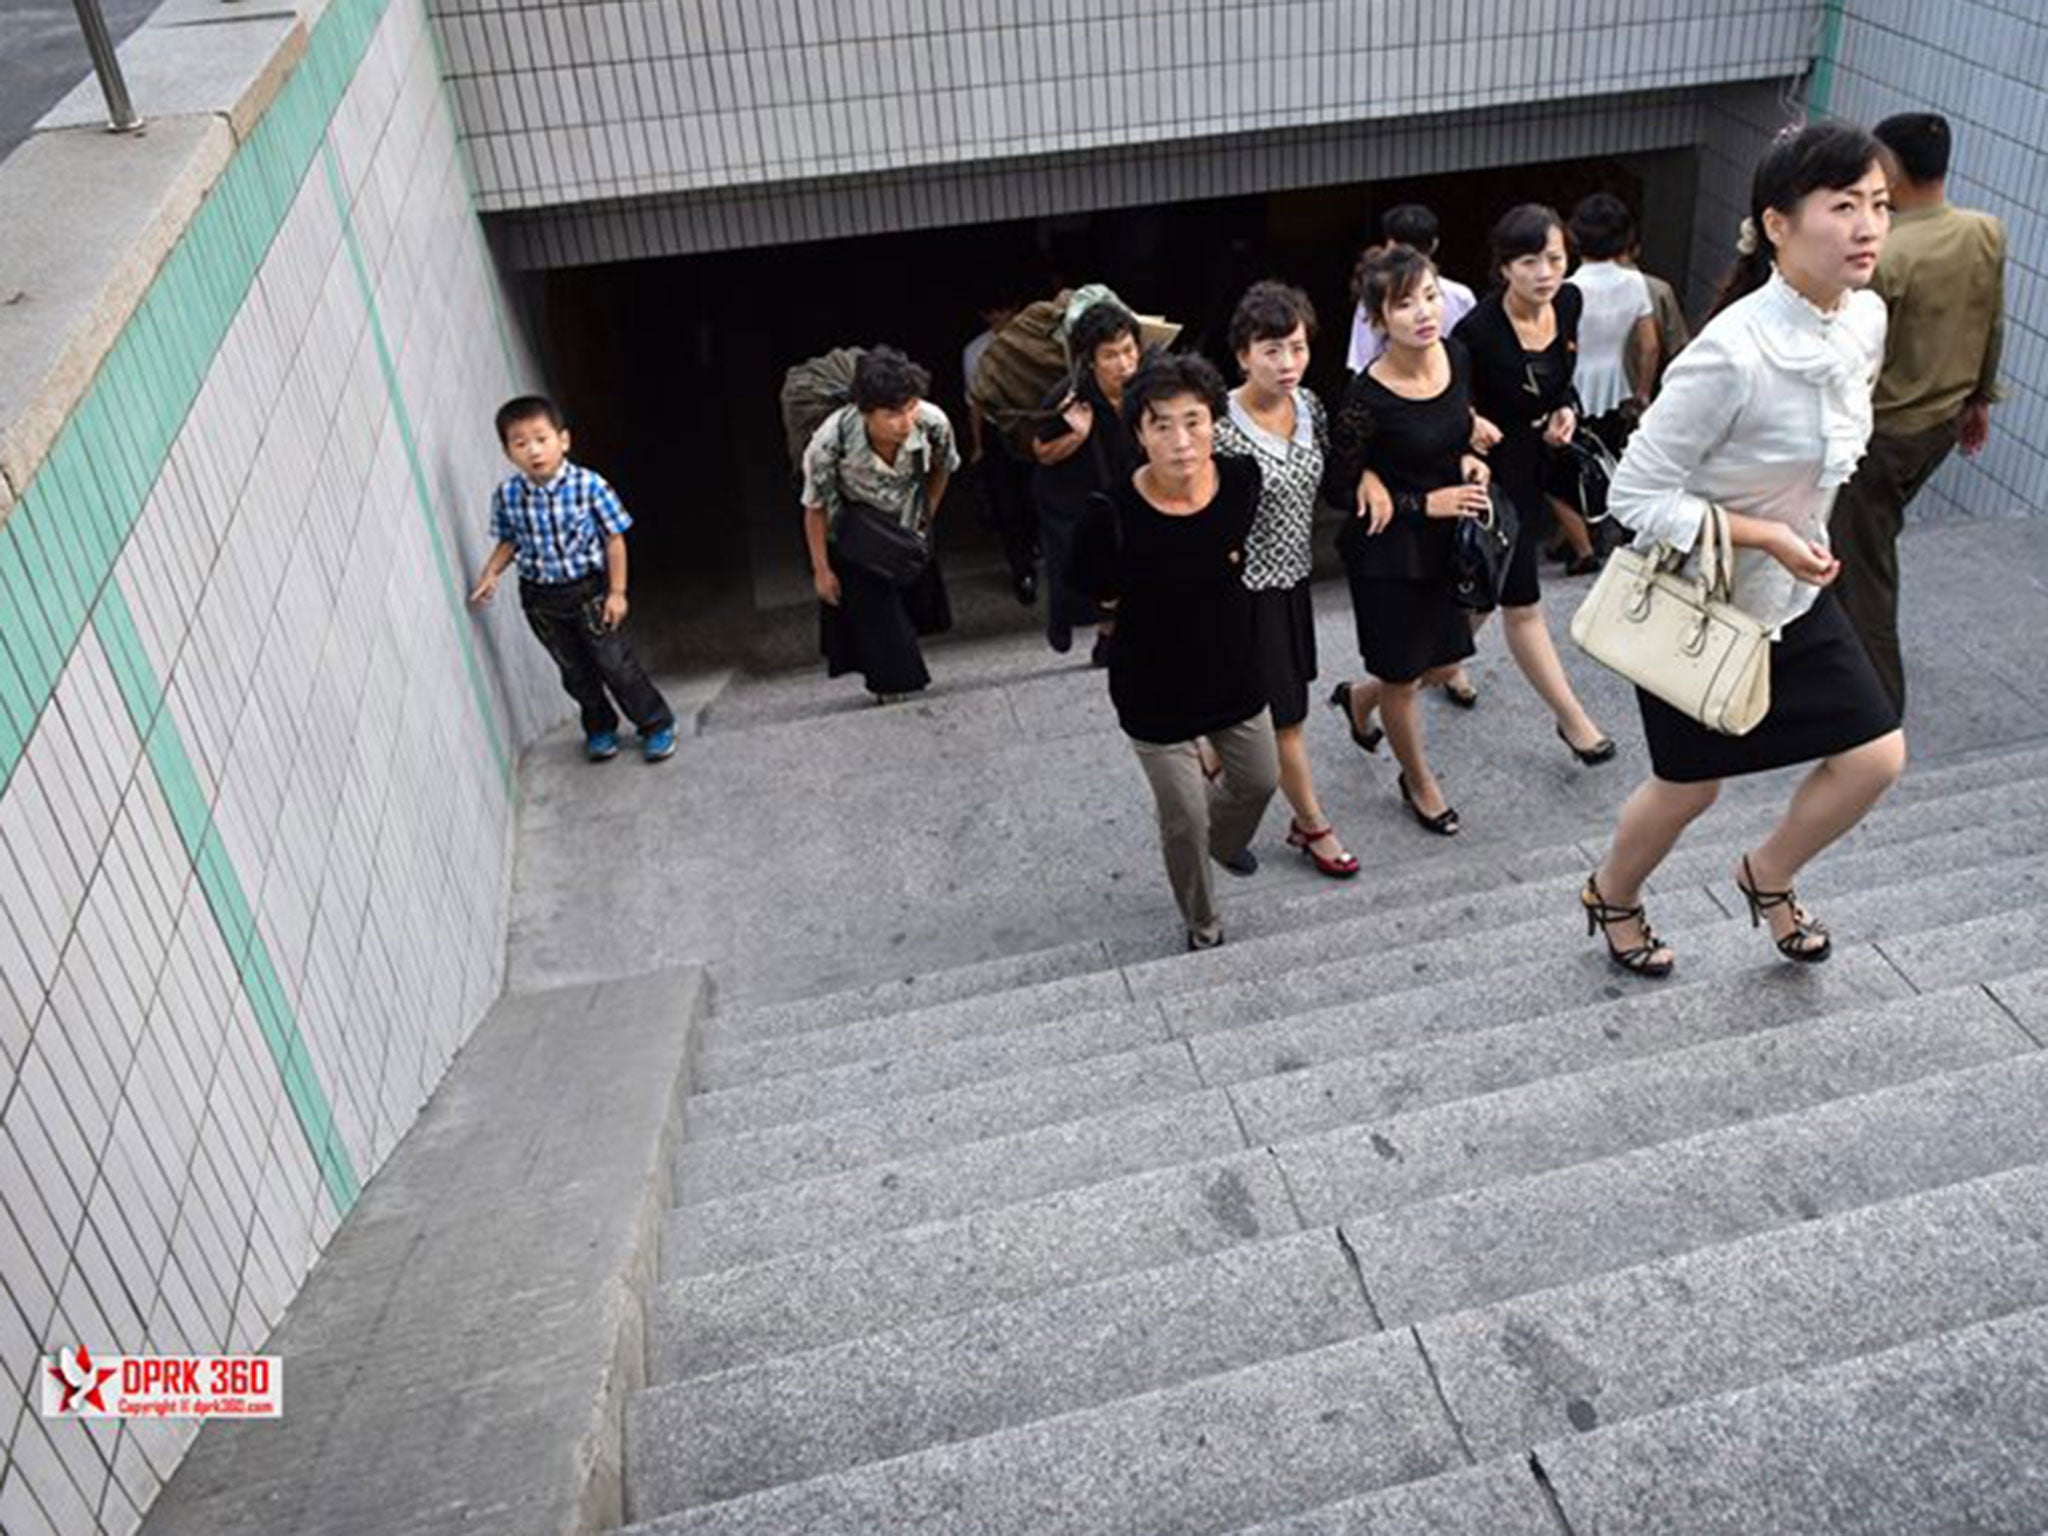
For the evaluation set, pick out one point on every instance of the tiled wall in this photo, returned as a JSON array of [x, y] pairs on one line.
[[1984, 65], [255, 824], [625, 98], [1134, 175]]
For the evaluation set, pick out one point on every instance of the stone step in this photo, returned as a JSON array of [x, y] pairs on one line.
[[1705, 856], [1461, 1059], [892, 1279], [975, 1373], [898, 994], [1498, 1498], [1495, 1242], [1914, 897], [1409, 1157], [730, 1063], [1868, 894], [1563, 1121], [1204, 1457], [1720, 958], [1948, 1433], [1610, 1019], [824, 1212], [719, 1166], [921, 1070], [1986, 949], [1922, 804], [1647, 1339]]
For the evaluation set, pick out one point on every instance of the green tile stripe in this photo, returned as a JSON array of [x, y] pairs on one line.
[[423, 498], [61, 539], [114, 626], [1820, 88]]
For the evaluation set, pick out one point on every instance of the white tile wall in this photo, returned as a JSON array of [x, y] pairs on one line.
[[620, 98], [1984, 65], [156, 1185]]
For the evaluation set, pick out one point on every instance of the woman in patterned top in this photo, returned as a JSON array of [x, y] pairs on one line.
[[1274, 421]]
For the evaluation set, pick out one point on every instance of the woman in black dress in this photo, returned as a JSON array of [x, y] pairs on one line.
[[1523, 338], [1166, 550], [1407, 422]]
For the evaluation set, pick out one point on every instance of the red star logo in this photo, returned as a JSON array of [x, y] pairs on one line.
[[86, 1391]]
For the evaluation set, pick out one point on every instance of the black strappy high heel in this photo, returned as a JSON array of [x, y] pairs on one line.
[[1794, 945], [1637, 961], [1444, 824], [1367, 740]]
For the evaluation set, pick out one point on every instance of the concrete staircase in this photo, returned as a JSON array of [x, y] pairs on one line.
[[1401, 1212]]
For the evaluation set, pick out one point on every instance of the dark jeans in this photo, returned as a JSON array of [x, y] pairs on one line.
[[1864, 530], [1065, 604], [563, 615]]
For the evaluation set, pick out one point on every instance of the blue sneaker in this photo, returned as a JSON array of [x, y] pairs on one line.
[[659, 745], [601, 746]]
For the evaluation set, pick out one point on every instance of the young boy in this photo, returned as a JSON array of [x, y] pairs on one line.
[[567, 529]]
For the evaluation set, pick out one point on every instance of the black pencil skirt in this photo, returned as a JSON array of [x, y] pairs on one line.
[[1825, 699], [1284, 632]]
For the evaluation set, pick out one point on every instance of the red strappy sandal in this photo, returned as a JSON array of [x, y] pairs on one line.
[[1304, 838]]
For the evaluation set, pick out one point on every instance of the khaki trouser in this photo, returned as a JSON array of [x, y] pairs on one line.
[[1864, 531], [1198, 821]]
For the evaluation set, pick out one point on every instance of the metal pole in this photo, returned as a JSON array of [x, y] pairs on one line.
[[100, 44]]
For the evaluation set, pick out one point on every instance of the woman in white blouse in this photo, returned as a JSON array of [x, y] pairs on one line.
[[1765, 415], [1618, 327]]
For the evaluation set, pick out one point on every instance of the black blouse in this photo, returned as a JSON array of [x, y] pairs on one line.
[[1414, 446], [1182, 661], [1517, 389], [1108, 458]]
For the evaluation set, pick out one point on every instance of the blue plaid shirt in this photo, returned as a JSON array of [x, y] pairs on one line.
[[557, 531]]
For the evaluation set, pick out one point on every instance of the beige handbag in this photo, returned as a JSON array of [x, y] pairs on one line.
[[1680, 637]]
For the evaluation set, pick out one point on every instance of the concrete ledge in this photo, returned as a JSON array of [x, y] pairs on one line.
[[460, 1357], [90, 215]]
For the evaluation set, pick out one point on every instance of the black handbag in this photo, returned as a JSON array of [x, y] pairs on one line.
[[1479, 554], [1588, 457], [877, 543]]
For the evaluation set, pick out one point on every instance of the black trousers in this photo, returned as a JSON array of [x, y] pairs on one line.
[[592, 661], [1004, 484], [1864, 530]]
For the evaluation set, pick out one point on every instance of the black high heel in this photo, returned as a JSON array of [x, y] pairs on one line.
[[1792, 946], [1602, 751], [1369, 739], [1443, 824], [1637, 961]]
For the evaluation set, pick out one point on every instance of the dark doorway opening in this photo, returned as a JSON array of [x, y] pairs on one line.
[[670, 369]]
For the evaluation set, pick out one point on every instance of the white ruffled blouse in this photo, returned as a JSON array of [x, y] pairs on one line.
[[1765, 414]]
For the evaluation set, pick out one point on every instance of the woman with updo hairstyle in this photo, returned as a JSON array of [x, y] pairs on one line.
[[1401, 455], [1765, 415], [1277, 422], [1523, 338]]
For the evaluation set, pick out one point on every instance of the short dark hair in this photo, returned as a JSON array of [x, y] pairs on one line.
[[1522, 231], [1386, 273], [1410, 224], [1602, 227], [885, 380], [1921, 142], [1100, 324], [525, 408], [1270, 311], [1163, 375]]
